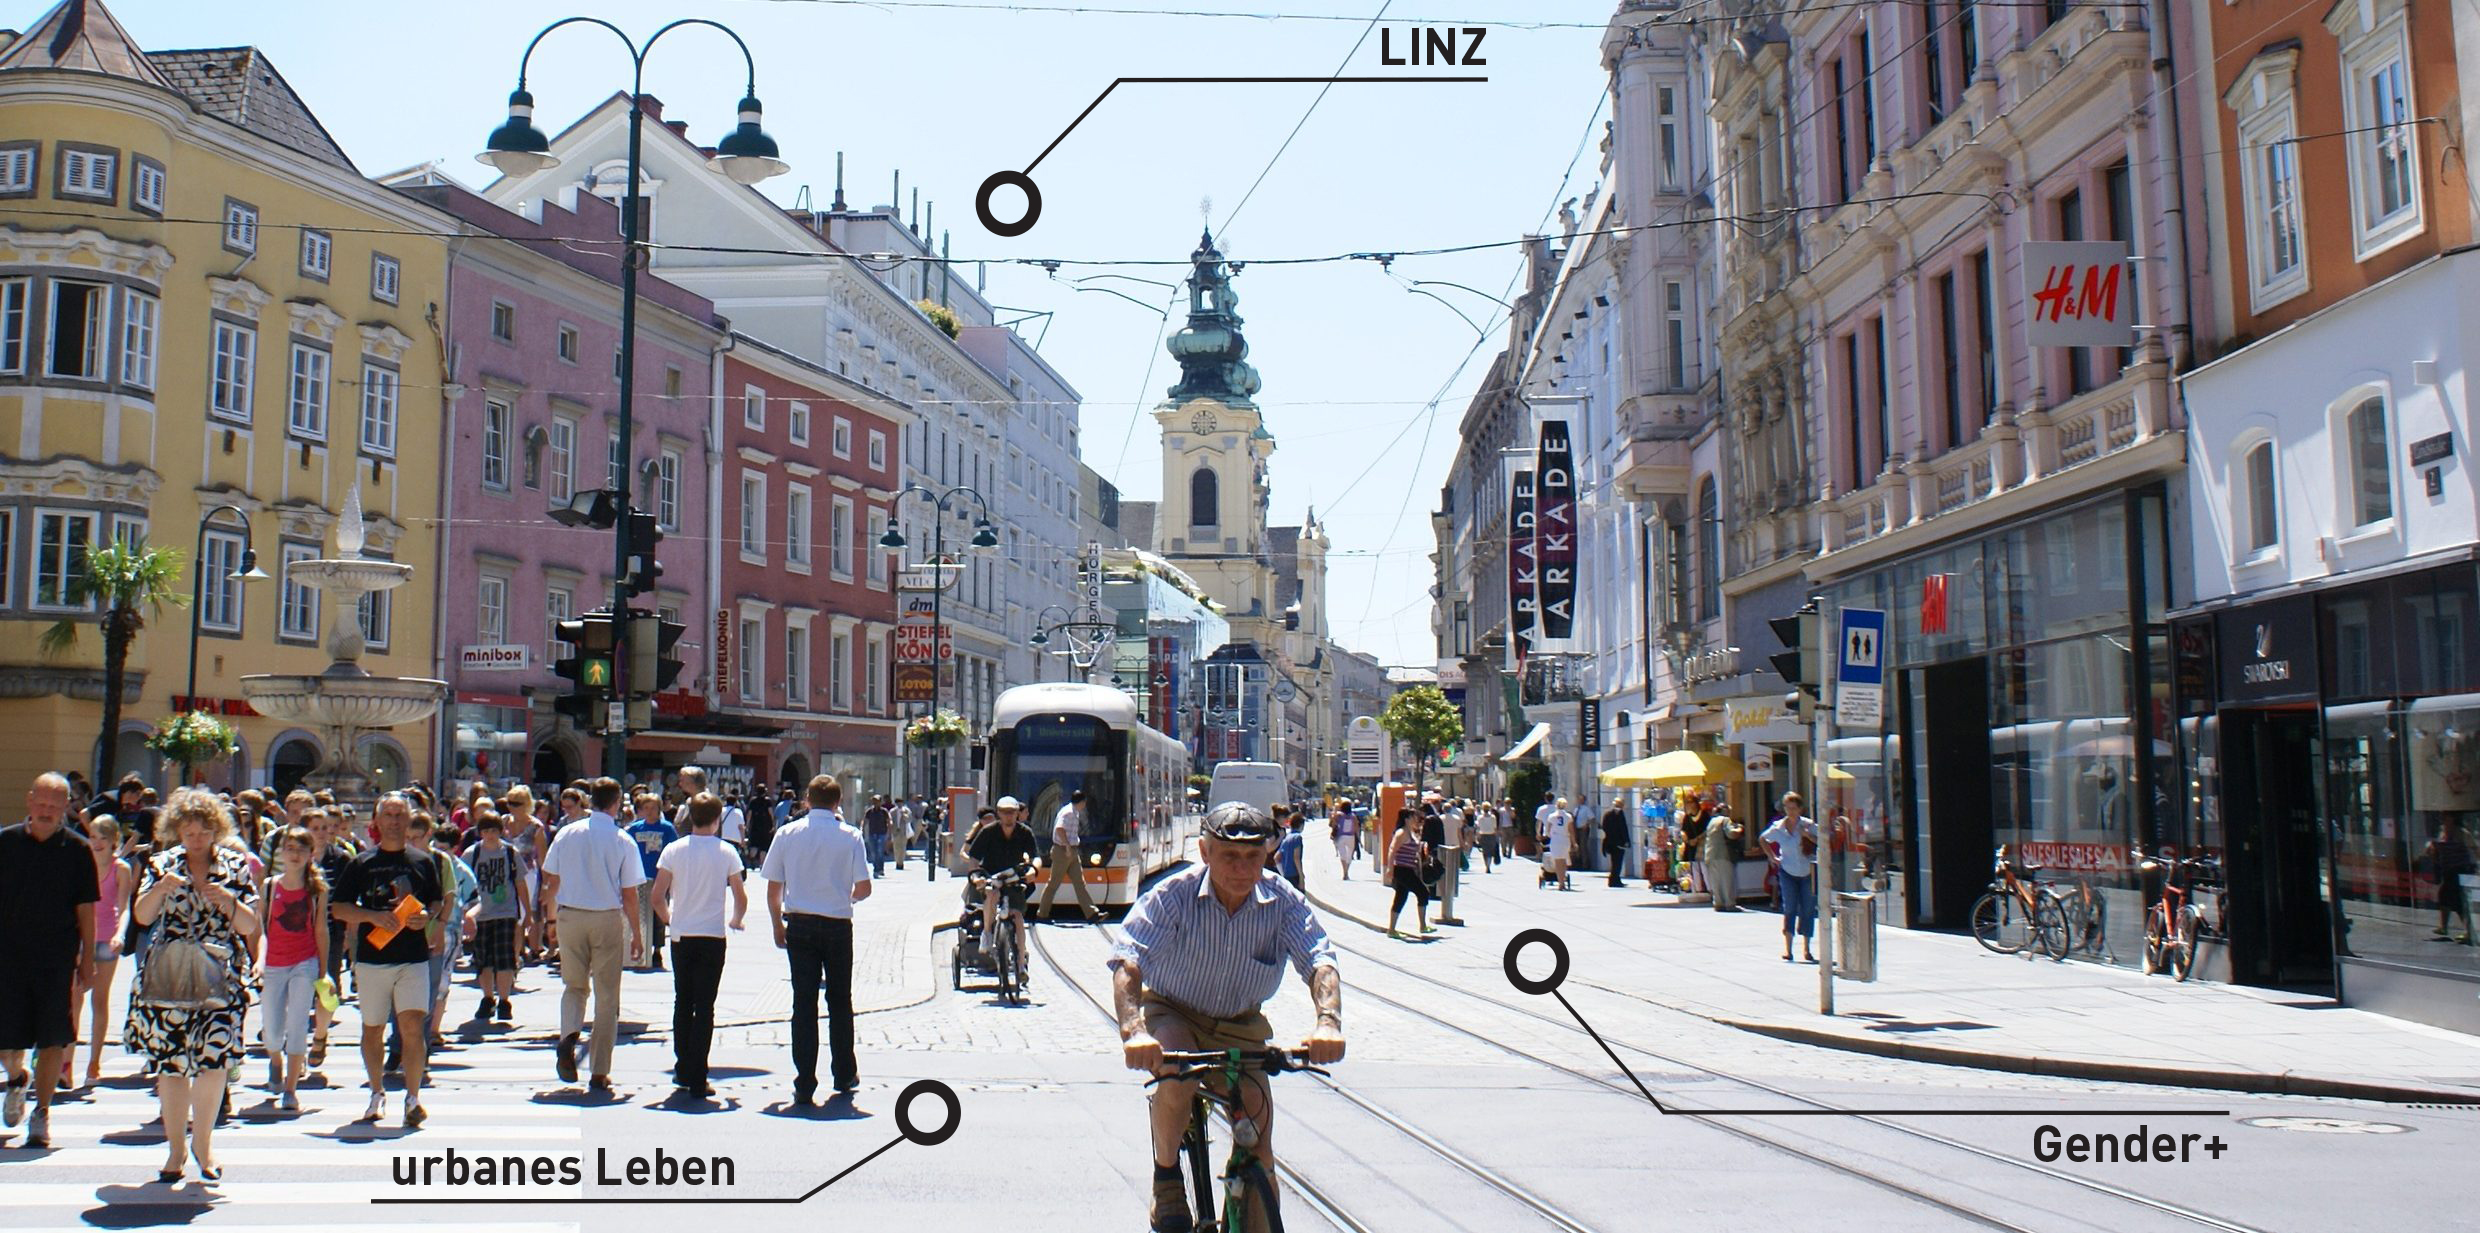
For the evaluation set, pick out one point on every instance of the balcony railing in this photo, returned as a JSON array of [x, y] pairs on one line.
[[2017, 450]]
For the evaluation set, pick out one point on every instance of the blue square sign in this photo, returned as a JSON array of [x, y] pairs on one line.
[[1863, 644]]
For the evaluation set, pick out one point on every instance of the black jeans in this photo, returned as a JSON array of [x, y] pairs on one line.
[[1617, 858], [697, 970], [821, 949]]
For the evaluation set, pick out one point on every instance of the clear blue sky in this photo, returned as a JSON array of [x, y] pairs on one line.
[[1350, 359]]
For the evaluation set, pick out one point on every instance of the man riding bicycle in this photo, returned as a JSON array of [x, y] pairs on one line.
[[1003, 845], [1197, 958]]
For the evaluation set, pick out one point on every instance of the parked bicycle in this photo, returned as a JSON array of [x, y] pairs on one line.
[[2172, 922], [2087, 919], [1249, 1200], [2017, 913]]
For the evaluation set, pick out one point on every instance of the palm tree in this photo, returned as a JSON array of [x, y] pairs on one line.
[[126, 578]]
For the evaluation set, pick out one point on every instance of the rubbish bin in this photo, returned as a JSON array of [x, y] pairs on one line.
[[1855, 936]]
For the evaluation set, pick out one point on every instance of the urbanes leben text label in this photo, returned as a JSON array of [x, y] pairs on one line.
[[2138, 1146], [454, 1168]]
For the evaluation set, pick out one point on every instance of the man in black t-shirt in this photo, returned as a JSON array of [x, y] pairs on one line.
[[1004, 844], [391, 978], [47, 946]]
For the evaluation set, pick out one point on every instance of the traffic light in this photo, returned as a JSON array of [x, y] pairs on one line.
[[654, 661], [1797, 661], [588, 668], [644, 570]]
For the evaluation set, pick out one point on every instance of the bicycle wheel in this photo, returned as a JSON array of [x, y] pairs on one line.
[[1998, 921], [2095, 938], [2183, 942], [2049, 926], [1004, 958], [1201, 1179]]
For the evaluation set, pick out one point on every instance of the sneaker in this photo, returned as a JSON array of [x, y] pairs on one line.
[[39, 1129], [507, 1011], [567, 1065], [599, 1083], [13, 1110], [414, 1112], [1171, 1214], [482, 1013], [377, 1108]]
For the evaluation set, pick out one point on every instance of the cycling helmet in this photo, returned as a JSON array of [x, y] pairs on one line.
[[1235, 822]]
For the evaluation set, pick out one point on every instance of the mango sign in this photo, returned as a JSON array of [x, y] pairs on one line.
[[2079, 294]]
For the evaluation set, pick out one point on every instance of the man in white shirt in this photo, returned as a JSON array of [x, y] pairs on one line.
[[1451, 844], [695, 875], [817, 869], [590, 881], [1558, 843], [1067, 858]]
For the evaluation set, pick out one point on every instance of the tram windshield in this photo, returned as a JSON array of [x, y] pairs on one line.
[[1046, 757]]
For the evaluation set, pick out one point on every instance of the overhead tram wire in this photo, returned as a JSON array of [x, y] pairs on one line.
[[1304, 116], [1519, 23]]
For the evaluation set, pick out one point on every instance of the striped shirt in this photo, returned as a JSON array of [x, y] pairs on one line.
[[1219, 963]]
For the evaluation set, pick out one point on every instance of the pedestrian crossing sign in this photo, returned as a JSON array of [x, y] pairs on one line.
[[594, 674]]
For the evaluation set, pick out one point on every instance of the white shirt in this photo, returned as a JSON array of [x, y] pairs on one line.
[[1069, 827], [1452, 827], [595, 860], [818, 860], [703, 871], [1785, 840], [735, 826], [1485, 821], [1559, 831]]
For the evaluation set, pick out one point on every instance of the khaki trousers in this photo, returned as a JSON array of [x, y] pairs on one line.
[[593, 947], [1066, 868]]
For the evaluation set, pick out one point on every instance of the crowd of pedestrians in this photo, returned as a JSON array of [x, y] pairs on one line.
[[253, 922]]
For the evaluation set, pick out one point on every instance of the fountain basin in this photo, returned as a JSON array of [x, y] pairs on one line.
[[354, 575], [337, 700]]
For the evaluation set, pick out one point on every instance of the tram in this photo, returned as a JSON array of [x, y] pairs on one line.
[[1049, 740]]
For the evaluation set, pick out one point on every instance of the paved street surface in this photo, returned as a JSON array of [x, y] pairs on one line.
[[1465, 1105]]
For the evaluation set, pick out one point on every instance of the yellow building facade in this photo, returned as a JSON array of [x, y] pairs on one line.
[[202, 304]]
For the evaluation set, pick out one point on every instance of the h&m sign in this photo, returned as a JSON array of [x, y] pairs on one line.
[[2078, 294]]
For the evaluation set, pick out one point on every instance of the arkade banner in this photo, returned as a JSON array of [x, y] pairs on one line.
[[1522, 570], [1554, 531]]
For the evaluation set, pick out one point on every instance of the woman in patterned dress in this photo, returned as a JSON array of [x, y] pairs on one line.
[[196, 889]]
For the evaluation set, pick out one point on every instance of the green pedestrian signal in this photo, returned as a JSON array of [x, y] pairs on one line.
[[594, 673]]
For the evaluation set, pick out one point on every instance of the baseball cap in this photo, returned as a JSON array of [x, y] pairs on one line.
[[1009, 802], [1235, 822]]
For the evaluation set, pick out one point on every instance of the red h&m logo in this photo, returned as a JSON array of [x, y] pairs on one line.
[[2079, 294], [1933, 604]]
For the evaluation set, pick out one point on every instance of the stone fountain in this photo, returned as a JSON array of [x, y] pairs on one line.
[[346, 701]]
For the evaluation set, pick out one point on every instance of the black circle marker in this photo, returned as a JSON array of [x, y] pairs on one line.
[[1033, 203], [929, 1087], [1558, 961]]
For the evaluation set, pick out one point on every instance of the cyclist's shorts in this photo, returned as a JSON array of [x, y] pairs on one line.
[[1181, 1029]]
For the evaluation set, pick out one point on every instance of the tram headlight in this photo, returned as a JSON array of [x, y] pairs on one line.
[[1094, 859]]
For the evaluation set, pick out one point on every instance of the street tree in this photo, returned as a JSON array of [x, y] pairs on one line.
[[129, 583], [1423, 718]]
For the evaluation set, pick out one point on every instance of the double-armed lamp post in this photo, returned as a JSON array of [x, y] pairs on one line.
[[748, 156]]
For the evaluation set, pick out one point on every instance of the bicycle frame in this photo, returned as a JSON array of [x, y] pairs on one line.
[[1243, 1171]]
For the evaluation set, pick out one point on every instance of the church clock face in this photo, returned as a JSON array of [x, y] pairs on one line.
[[1201, 423]]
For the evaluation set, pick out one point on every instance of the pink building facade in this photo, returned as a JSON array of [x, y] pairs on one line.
[[533, 342]]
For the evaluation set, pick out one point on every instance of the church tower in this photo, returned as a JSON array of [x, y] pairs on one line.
[[1215, 443]]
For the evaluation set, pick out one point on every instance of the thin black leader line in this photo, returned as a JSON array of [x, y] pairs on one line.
[[1117, 82]]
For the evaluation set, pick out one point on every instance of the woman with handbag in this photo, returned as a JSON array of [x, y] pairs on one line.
[[1792, 842], [192, 985], [1404, 858]]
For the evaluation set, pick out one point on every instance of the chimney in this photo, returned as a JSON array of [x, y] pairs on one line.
[[838, 205], [680, 128], [652, 106]]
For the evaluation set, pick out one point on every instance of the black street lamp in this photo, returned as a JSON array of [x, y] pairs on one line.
[[747, 155], [248, 571], [985, 536]]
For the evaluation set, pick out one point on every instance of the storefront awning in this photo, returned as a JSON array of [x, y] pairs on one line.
[[1526, 745], [1680, 768]]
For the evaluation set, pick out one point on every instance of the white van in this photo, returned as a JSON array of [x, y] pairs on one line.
[[1261, 784]]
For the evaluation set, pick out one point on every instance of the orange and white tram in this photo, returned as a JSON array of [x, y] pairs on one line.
[[1048, 740]]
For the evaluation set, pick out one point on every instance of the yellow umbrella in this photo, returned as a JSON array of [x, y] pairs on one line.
[[1680, 768]]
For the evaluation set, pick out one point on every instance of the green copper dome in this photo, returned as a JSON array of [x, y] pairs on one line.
[[1212, 353]]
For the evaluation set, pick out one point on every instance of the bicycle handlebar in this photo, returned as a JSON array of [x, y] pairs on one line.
[[1200, 1064]]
